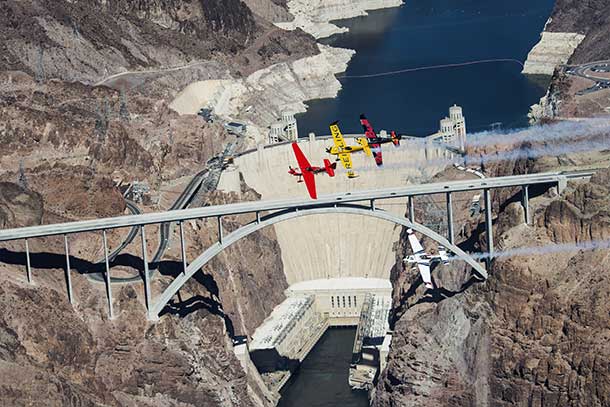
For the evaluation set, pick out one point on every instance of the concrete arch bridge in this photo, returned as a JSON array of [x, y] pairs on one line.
[[268, 213]]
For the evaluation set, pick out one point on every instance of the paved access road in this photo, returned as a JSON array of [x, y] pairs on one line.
[[586, 71], [206, 180]]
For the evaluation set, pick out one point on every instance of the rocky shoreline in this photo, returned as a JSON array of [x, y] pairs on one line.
[[259, 99], [314, 17], [574, 34], [554, 48]]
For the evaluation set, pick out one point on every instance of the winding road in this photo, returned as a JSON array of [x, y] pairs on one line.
[[586, 70], [205, 180], [133, 232]]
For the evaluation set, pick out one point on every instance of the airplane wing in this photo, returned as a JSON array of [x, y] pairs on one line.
[[346, 160], [365, 145], [414, 242], [370, 134], [424, 270], [423, 265], [310, 182], [308, 175], [367, 127], [443, 254], [301, 159], [337, 136], [376, 149]]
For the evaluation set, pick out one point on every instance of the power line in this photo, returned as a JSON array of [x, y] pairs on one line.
[[424, 68]]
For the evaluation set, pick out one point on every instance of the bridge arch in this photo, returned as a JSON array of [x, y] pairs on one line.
[[285, 215]]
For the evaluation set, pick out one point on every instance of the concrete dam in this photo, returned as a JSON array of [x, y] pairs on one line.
[[337, 266]]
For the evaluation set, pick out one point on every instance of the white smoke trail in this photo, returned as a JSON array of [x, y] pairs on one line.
[[540, 133], [542, 151], [581, 146], [546, 249]]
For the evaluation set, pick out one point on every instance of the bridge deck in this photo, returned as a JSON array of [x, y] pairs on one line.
[[260, 206]]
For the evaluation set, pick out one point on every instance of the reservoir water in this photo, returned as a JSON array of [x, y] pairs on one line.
[[321, 381], [420, 33], [435, 32]]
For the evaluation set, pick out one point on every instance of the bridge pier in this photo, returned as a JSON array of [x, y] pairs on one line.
[[258, 217], [525, 201], [411, 209], [108, 284], [220, 232], [488, 226], [182, 246], [147, 296], [562, 184], [373, 205], [450, 218], [28, 265], [68, 276]]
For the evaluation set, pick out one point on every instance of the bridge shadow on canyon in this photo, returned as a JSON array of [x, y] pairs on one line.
[[476, 242], [179, 307]]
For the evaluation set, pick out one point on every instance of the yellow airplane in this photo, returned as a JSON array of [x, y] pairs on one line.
[[343, 151]]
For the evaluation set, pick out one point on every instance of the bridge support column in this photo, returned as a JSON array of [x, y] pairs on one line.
[[411, 209], [373, 205], [450, 236], [562, 184], [488, 226], [220, 233], [147, 294], [525, 197], [68, 276], [182, 246], [258, 217], [28, 265], [108, 283]]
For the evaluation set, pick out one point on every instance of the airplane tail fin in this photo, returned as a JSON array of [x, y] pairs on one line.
[[365, 146], [330, 168], [395, 138], [443, 254]]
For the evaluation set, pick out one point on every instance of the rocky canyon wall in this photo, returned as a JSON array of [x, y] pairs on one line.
[[534, 334], [577, 32]]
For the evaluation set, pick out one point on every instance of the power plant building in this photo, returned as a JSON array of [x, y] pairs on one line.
[[372, 342], [311, 307], [285, 337]]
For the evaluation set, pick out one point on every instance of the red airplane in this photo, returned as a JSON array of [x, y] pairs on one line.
[[374, 141], [306, 172]]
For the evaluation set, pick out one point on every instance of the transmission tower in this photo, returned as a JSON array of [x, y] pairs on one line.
[[23, 181], [40, 75], [123, 112], [101, 122]]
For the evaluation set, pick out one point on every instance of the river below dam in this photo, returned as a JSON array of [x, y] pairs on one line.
[[321, 380], [424, 33], [421, 33]]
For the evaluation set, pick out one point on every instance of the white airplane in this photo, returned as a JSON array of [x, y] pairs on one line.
[[423, 259]]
